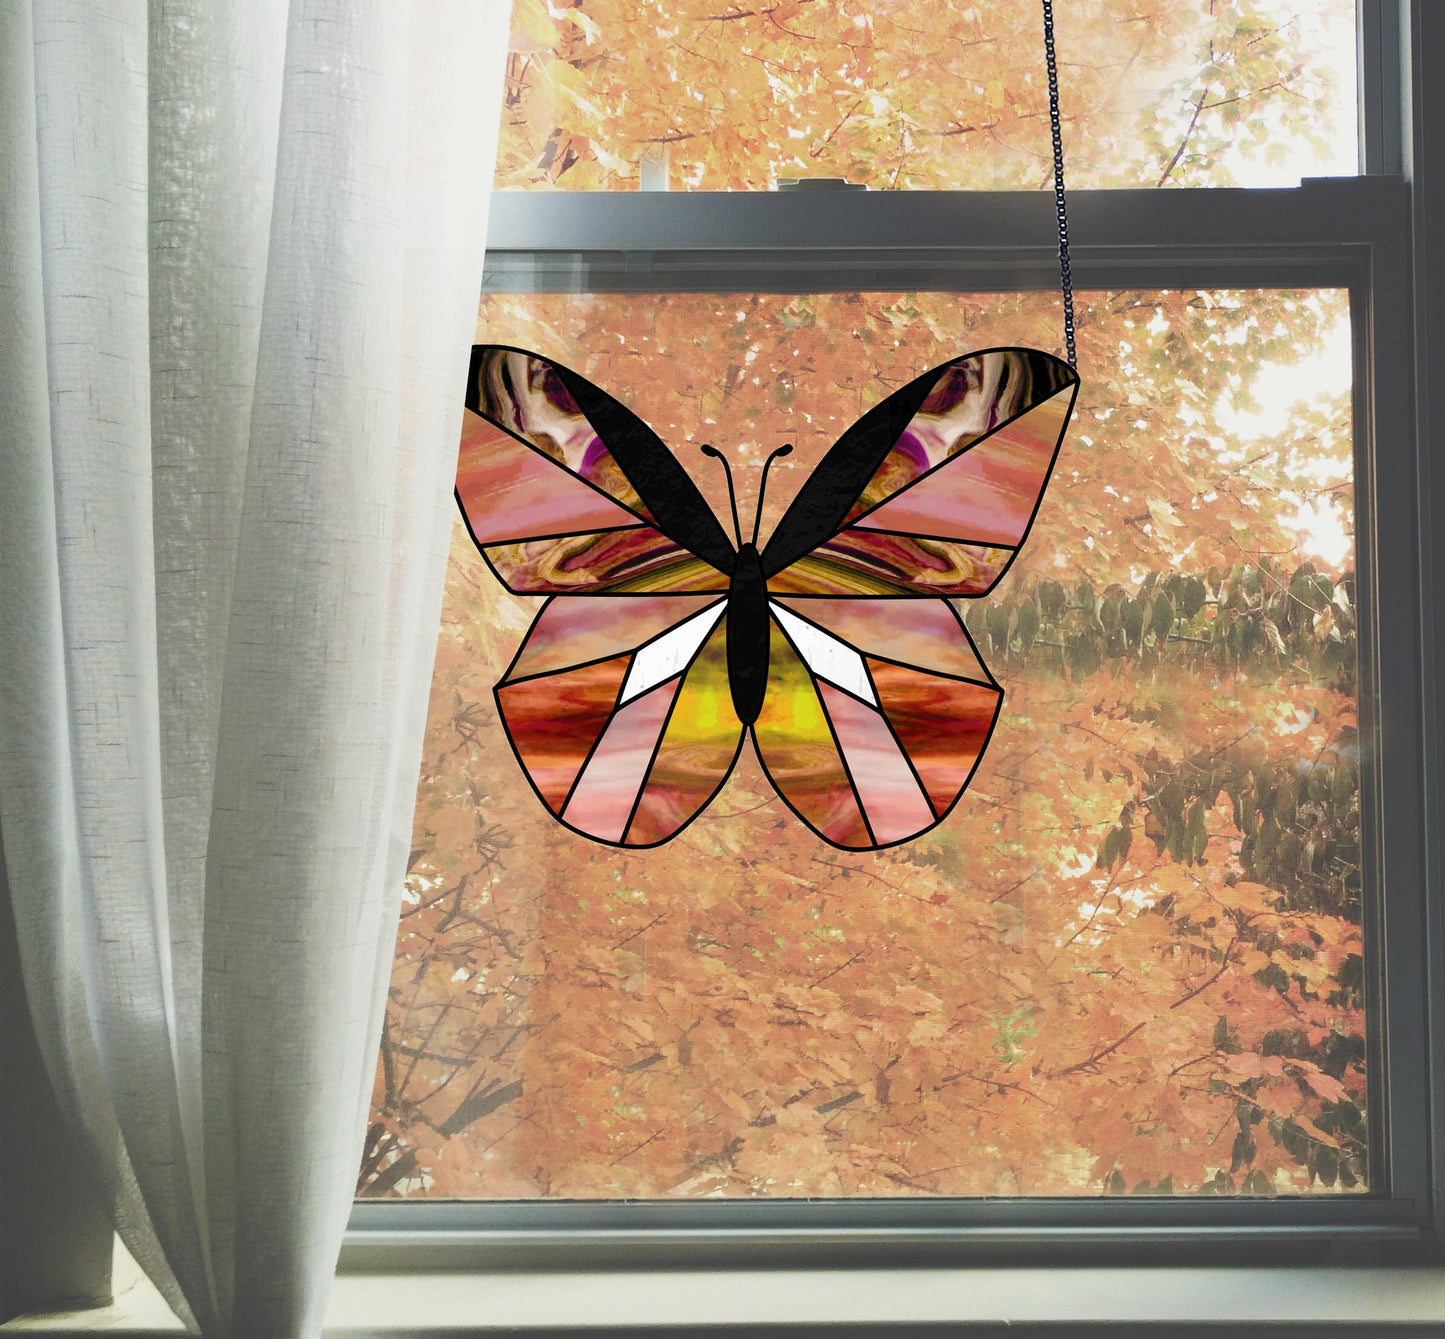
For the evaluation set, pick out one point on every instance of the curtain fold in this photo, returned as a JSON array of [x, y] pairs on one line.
[[239, 263]]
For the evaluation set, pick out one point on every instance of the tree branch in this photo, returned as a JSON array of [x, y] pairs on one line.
[[1099, 1055], [1179, 152]]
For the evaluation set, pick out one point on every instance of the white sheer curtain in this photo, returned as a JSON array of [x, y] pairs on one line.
[[240, 251]]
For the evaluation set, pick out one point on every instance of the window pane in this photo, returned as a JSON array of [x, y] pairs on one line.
[[1130, 959], [942, 95]]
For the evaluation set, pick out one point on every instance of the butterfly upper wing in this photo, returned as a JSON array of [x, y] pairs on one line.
[[619, 712], [933, 490], [566, 491], [875, 716], [878, 708]]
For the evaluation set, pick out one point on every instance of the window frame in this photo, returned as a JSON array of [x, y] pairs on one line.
[[1363, 233]]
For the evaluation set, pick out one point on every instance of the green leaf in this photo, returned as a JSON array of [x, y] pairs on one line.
[[1027, 623], [1163, 616], [1133, 617]]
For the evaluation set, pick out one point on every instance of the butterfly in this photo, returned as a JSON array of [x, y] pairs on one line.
[[666, 642]]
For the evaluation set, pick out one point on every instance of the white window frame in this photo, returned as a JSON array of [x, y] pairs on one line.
[[1365, 233]]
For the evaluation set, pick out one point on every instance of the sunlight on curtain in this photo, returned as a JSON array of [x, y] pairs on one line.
[[238, 272]]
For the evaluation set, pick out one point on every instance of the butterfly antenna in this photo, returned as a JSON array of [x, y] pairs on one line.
[[763, 487], [732, 496]]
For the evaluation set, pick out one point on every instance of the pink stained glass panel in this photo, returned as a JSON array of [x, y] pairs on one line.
[[553, 722], [640, 560], [524, 393], [986, 494], [872, 562], [571, 632], [895, 806], [971, 398], [943, 723], [602, 801], [511, 491]]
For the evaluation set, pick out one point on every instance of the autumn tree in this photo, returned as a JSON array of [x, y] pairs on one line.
[[899, 95], [1131, 959]]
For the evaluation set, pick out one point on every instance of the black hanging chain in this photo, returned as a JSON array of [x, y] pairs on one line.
[[1066, 281]]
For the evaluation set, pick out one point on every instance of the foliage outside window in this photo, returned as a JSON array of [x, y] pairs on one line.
[[713, 95], [1129, 960], [1132, 959]]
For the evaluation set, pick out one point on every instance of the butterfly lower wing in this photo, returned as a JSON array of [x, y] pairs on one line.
[[619, 713], [876, 714], [938, 493]]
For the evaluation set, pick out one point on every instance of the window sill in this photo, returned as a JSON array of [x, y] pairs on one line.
[[1352, 1301]]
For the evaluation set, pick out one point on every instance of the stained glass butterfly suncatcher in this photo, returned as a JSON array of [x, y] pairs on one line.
[[834, 645]]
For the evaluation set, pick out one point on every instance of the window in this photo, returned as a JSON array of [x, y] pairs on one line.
[[1139, 984], [727, 97]]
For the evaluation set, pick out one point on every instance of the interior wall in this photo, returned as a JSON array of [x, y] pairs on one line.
[[55, 1237]]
